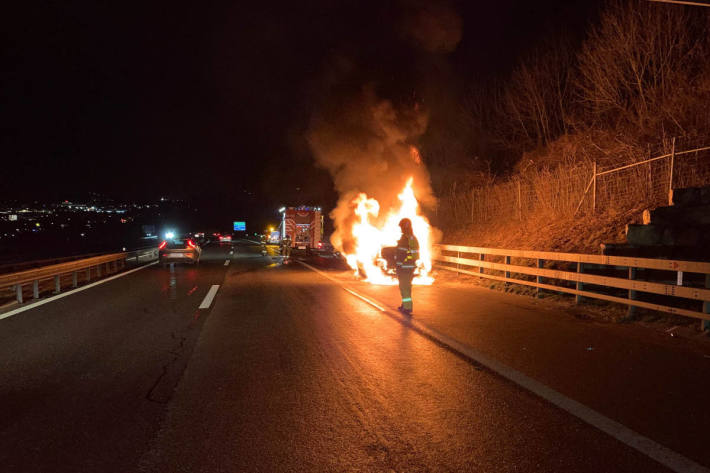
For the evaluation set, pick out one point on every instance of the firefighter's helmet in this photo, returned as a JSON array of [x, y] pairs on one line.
[[406, 225]]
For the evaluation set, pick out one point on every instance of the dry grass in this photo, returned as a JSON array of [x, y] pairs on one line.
[[539, 208]]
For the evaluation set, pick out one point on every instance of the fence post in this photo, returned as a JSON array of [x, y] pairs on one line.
[[57, 284], [580, 285], [520, 203], [594, 189], [538, 279], [705, 324], [631, 311], [670, 178], [473, 202]]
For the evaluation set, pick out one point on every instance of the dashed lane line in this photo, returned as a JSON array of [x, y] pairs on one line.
[[663, 455], [207, 301], [73, 291]]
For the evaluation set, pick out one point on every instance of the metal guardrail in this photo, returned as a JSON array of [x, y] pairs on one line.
[[21, 265], [446, 259], [16, 266], [111, 263]]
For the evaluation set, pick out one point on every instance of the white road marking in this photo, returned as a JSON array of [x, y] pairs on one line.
[[207, 301], [69, 293], [226, 262], [663, 455], [381, 309]]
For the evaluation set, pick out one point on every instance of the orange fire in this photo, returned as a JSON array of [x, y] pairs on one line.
[[369, 239]]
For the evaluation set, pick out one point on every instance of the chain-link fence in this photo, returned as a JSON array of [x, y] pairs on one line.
[[578, 188]]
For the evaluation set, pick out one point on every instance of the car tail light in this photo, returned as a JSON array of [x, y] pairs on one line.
[[191, 244], [162, 245], [320, 244]]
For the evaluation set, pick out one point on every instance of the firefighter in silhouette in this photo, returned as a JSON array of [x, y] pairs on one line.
[[406, 259], [286, 247]]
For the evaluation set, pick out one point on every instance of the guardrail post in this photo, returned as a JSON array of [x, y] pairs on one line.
[[538, 279], [88, 274], [35, 289], [57, 284], [705, 324], [580, 285], [458, 257], [507, 273], [98, 270], [631, 311], [18, 292], [481, 257], [74, 279]]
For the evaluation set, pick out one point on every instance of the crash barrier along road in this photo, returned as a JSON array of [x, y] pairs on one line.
[[453, 257], [92, 267]]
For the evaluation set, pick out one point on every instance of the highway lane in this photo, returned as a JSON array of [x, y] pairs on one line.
[[647, 380], [291, 373], [85, 379]]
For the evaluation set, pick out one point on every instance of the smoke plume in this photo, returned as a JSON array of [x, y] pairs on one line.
[[367, 145], [432, 25]]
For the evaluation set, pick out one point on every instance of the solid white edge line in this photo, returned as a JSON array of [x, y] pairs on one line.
[[207, 301], [366, 300], [654, 450], [226, 262], [73, 291]]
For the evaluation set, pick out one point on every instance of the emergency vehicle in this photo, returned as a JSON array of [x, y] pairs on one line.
[[303, 226]]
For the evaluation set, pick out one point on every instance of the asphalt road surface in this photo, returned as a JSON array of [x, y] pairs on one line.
[[286, 371]]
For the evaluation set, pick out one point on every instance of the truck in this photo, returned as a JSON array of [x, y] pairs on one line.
[[303, 226]]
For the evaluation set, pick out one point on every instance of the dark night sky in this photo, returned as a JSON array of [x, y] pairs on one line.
[[211, 101]]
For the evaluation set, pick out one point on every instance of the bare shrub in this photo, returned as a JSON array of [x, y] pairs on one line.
[[558, 193], [639, 67], [531, 110]]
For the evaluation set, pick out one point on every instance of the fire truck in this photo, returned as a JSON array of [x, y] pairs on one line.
[[303, 226]]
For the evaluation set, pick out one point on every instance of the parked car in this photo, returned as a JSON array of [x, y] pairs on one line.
[[179, 249], [325, 245]]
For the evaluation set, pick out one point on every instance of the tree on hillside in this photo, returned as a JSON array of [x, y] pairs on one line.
[[639, 67], [532, 108]]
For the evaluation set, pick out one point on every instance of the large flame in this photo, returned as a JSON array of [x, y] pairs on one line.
[[369, 239]]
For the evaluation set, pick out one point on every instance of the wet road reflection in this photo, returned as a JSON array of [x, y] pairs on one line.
[[303, 376]]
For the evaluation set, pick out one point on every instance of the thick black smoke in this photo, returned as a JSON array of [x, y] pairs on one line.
[[369, 145]]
